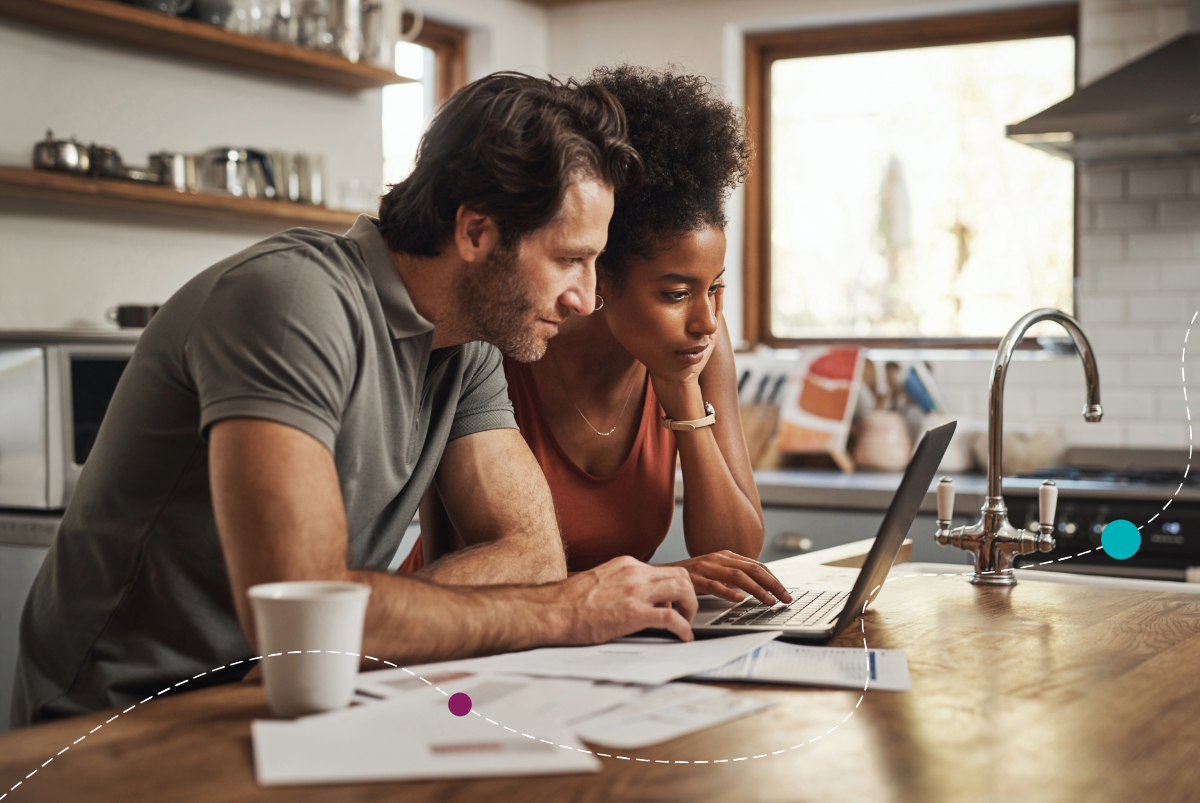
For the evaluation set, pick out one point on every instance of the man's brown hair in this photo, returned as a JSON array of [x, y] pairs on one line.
[[507, 146]]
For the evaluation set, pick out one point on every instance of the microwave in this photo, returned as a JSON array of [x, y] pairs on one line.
[[55, 388]]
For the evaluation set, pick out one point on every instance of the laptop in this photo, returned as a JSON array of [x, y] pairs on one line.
[[818, 614]]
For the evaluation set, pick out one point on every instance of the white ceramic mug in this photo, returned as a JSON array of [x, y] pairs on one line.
[[309, 634]]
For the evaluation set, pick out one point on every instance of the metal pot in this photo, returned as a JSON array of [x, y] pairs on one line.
[[310, 177], [171, 8], [131, 316], [68, 155], [214, 12], [243, 172], [176, 170], [105, 162]]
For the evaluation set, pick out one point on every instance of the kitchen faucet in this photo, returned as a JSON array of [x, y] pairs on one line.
[[992, 539]]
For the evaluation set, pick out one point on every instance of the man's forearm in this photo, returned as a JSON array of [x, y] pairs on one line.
[[413, 621], [507, 560]]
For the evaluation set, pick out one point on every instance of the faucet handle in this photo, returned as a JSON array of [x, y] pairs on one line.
[[1047, 502], [945, 499]]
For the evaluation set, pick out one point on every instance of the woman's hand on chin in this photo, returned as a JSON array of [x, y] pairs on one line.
[[677, 382], [727, 574]]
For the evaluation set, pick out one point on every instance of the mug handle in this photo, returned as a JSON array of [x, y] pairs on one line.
[[110, 315]]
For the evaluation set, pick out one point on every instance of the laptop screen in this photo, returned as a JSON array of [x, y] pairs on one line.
[[897, 521]]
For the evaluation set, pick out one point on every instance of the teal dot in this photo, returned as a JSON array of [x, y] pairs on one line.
[[1121, 539]]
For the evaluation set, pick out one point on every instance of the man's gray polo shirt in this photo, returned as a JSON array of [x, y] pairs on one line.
[[305, 328]]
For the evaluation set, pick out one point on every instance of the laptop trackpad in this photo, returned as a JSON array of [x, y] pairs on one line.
[[710, 608]]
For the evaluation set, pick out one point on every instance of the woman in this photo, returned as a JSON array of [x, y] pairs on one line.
[[592, 408]]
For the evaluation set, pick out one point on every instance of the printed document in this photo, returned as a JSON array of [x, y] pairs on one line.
[[663, 713], [408, 739], [842, 667], [611, 714], [650, 663]]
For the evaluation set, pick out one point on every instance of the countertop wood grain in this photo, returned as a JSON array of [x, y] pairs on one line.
[[1041, 692]]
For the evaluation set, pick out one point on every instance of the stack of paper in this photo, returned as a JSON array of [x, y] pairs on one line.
[[405, 740], [665, 712], [846, 667], [648, 661], [530, 710]]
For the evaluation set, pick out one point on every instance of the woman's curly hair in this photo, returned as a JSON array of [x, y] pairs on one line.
[[694, 150]]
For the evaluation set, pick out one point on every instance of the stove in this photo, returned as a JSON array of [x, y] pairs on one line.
[[1164, 504], [1118, 476]]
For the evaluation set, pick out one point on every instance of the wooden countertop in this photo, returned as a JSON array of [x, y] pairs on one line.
[[1042, 692]]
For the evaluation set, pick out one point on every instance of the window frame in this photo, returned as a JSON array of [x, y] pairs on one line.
[[764, 49], [449, 46]]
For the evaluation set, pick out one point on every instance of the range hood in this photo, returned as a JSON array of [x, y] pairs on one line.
[[1148, 108]]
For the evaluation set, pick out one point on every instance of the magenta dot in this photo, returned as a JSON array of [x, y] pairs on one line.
[[460, 704]]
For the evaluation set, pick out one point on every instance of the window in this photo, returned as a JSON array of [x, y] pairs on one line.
[[887, 204], [436, 61]]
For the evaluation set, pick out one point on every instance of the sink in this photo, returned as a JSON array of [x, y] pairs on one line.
[[1034, 576]]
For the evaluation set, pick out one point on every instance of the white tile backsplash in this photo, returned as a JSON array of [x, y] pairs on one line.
[[1096, 247], [1157, 372], [1108, 278], [1173, 214], [1117, 340], [1111, 308], [1154, 182], [1157, 434], [1123, 215], [1103, 185], [1159, 245], [1180, 276]]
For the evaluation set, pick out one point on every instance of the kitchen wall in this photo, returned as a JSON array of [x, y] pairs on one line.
[[62, 266], [1139, 222], [706, 36], [1139, 283]]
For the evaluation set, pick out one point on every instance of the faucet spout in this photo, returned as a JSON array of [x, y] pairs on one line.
[[1092, 411], [993, 540]]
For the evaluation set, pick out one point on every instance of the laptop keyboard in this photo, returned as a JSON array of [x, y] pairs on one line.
[[806, 608]]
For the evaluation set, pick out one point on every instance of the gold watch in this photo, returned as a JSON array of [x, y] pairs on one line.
[[693, 425]]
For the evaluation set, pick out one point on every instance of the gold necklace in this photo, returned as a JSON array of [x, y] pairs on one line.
[[628, 395]]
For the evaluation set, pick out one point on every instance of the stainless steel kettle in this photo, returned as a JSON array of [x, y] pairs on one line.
[[176, 170], [242, 172], [68, 155]]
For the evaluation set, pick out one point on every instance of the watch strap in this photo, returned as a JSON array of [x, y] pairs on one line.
[[694, 424]]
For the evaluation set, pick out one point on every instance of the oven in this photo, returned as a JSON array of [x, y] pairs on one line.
[[55, 388], [1164, 504]]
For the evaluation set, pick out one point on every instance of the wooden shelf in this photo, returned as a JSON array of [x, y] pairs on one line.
[[112, 21], [131, 196]]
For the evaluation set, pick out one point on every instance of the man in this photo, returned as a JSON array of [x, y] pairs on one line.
[[287, 409]]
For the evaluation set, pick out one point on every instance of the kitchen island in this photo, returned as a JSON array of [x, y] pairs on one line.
[[1044, 691]]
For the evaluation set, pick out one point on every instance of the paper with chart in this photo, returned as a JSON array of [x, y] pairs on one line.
[[663, 713], [625, 716], [650, 663], [408, 739], [515, 700], [842, 667]]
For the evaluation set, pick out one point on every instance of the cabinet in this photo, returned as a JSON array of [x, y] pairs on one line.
[[18, 566]]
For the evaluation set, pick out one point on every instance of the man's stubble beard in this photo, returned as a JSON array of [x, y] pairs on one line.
[[496, 299]]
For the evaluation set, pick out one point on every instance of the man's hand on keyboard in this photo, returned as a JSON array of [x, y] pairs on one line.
[[727, 574], [624, 596]]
